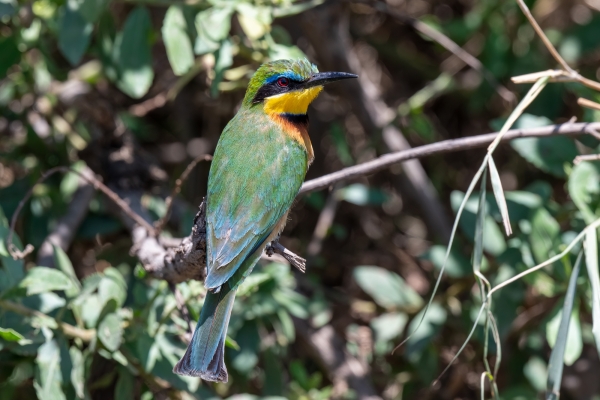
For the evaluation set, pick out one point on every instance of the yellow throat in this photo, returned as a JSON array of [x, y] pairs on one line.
[[295, 102]]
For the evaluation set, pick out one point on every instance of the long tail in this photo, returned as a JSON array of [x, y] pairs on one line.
[[205, 354]]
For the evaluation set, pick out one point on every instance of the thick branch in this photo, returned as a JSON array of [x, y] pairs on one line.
[[445, 146]]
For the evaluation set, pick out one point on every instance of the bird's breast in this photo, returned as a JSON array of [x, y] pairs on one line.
[[295, 126]]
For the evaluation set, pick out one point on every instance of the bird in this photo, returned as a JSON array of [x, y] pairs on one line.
[[258, 167]]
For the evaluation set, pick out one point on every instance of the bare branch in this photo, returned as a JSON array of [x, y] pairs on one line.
[[570, 72], [588, 103], [443, 147], [446, 43], [586, 157], [17, 254]]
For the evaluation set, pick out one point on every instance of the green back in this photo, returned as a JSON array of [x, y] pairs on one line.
[[255, 175]]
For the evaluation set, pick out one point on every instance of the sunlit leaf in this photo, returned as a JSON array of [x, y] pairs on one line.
[[584, 189], [255, 20], [61, 260], [212, 26], [134, 57], [110, 332], [360, 195], [10, 335], [48, 377], [544, 235], [389, 326], [42, 279], [388, 289], [78, 371], [177, 41], [550, 154]]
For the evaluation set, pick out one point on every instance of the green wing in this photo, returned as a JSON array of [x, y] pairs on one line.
[[254, 177]]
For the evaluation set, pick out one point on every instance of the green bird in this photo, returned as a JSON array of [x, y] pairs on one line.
[[257, 170]]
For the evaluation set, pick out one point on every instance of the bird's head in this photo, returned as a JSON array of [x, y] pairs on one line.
[[288, 86]]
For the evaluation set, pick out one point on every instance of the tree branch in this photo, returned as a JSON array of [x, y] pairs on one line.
[[442, 147]]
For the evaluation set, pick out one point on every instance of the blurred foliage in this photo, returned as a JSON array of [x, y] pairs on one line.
[[173, 73]]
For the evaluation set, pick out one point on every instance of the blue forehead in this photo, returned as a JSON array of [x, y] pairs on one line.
[[287, 74]]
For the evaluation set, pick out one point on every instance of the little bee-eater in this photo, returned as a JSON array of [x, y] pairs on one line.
[[257, 170]]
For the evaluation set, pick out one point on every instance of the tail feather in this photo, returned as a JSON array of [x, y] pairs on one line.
[[205, 354]]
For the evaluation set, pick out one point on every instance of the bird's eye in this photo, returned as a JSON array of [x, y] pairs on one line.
[[283, 82]]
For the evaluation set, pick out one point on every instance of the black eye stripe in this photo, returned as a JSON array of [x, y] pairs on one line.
[[274, 88]]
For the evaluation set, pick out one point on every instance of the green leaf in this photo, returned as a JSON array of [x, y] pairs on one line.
[[42, 279], [361, 195], [125, 388], [177, 41], [389, 326], [544, 235], [535, 370], [293, 9], [48, 377], [387, 288], [78, 372], [11, 271], [133, 54], [61, 260], [431, 324], [10, 53], [91, 10], [73, 34], [212, 26], [457, 265], [499, 194], [493, 242], [280, 51], [112, 286], [255, 20], [550, 154], [564, 338], [479, 224], [110, 332], [591, 263], [584, 189], [10, 335]]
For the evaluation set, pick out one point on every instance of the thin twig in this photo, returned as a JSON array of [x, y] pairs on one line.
[[159, 225], [69, 330], [17, 254], [443, 147], [64, 232], [586, 157], [544, 38], [588, 103], [446, 43], [555, 54]]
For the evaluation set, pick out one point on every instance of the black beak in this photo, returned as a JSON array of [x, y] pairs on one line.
[[326, 77]]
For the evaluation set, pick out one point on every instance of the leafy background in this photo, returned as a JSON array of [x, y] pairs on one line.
[[162, 78]]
